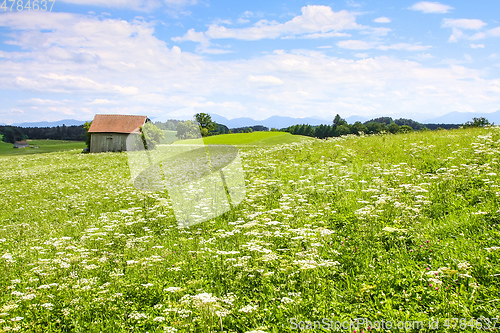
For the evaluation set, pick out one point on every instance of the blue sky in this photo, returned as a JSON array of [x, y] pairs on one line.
[[174, 58]]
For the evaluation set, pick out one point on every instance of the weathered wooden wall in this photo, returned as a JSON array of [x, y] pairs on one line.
[[102, 142]]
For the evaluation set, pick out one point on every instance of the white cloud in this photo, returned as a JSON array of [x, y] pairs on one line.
[[362, 45], [404, 47], [320, 35], [382, 20], [314, 22], [431, 7], [355, 45], [477, 46], [102, 101], [458, 25], [495, 32], [114, 66], [141, 5], [376, 32], [265, 80], [423, 56], [205, 46], [464, 24]]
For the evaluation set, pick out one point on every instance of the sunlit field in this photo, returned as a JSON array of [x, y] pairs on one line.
[[389, 227], [252, 139], [42, 146]]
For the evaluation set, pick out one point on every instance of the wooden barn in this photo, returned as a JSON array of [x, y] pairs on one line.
[[109, 132], [21, 144]]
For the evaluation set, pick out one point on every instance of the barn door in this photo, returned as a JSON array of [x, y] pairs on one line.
[[109, 143]]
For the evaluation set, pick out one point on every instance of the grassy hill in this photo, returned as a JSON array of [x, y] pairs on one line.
[[44, 146], [255, 138], [395, 228], [169, 136]]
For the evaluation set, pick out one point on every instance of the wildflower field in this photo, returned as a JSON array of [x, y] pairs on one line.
[[390, 227]]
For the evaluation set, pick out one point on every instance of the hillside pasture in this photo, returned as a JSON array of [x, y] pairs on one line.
[[252, 139], [399, 228], [43, 146]]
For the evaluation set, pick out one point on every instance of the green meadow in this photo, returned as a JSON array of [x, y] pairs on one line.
[[254, 138], [249, 139], [393, 229], [43, 146]]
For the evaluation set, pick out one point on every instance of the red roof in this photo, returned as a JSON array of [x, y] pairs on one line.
[[115, 123]]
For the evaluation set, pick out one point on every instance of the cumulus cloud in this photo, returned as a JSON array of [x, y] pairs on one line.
[[459, 25], [355, 45], [314, 22], [204, 46], [265, 80], [140, 5], [404, 46], [469, 24], [431, 7], [362, 45], [495, 32], [129, 70], [382, 20]]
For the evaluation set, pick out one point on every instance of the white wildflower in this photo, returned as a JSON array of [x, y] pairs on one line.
[[464, 266], [435, 281], [170, 329], [48, 306], [286, 300], [248, 308], [137, 315], [205, 298], [28, 297]]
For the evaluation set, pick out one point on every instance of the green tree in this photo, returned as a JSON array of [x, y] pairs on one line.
[[337, 121], [342, 130], [308, 130], [477, 122], [393, 128], [358, 128], [170, 126], [151, 135], [204, 120], [412, 123], [187, 130], [374, 128], [382, 120], [87, 134], [405, 129]]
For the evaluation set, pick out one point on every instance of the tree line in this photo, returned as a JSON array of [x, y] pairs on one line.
[[377, 125], [12, 134], [203, 124]]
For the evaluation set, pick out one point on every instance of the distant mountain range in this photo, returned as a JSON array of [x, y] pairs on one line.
[[282, 122], [274, 121], [463, 117], [67, 122]]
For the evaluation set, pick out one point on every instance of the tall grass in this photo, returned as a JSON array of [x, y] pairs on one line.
[[392, 227]]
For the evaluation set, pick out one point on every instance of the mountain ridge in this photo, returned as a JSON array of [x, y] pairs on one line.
[[66, 122], [283, 122]]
